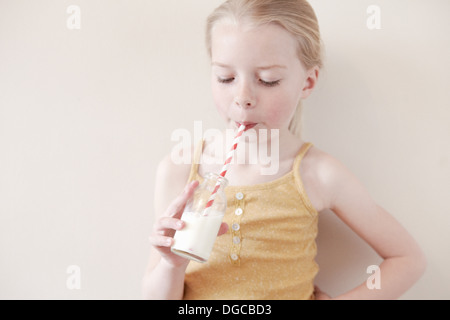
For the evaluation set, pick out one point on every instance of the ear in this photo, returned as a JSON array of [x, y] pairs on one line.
[[312, 76]]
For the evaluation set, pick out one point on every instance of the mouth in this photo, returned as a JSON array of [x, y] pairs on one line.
[[248, 125]]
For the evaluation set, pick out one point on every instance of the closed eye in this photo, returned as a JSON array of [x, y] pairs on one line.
[[227, 80], [270, 83], [265, 83]]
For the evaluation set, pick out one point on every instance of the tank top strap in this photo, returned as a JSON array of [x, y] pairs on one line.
[[301, 154], [298, 179], [196, 160]]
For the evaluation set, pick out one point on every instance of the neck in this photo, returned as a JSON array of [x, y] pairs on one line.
[[257, 147]]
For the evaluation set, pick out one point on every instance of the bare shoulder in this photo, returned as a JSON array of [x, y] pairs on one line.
[[322, 176], [171, 178]]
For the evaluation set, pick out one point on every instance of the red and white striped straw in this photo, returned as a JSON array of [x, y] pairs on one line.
[[225, 167]]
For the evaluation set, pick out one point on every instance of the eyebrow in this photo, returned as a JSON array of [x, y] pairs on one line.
[[273, 66]]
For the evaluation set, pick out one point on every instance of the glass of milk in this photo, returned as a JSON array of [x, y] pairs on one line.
[[196, 240]]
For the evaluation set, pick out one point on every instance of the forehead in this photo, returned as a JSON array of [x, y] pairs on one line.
[[268, 43]]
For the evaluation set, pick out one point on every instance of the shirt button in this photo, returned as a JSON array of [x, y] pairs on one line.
[[238, 211], [235, 226], [234, 256], [239, 196], [236, 240]]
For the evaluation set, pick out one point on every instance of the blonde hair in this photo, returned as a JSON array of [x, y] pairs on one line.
[[296, 16]]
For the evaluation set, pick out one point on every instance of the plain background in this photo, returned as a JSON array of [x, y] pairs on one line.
[[86, 115]]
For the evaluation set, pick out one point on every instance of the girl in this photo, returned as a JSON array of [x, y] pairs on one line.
[[266, 57]]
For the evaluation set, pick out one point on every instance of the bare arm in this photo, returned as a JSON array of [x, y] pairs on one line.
[[164, 277], [164, 282], [404, 261]]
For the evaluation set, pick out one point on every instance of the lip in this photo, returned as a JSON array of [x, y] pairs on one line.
[[248, 125]]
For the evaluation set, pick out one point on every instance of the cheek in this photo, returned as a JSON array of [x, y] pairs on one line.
[[281, 108], [220, 99], [278, 114]]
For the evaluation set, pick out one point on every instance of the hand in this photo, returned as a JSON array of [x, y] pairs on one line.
[[165, 227], [320, 295]]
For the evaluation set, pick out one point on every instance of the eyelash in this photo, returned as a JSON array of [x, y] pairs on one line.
[[220, 80], [265, 83], [271, 83]]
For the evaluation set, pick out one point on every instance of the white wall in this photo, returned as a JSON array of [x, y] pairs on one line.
[[85, 116]]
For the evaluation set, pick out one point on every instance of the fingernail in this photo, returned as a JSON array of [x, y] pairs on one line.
[[179, 224], [169, 242]]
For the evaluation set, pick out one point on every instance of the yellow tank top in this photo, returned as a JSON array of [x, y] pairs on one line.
[[269, 250]]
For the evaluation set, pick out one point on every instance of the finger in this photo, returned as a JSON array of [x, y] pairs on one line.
[[169, 223], [177, 206], [160, 241], [223, 229]]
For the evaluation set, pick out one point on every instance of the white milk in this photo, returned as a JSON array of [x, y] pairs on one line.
[[196, 240]]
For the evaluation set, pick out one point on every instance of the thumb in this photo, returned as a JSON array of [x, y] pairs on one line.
[[177, 206]]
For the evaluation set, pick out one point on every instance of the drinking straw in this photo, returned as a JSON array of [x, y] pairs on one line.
[[224, 168]]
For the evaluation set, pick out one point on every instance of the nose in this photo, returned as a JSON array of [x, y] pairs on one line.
[[245, 96]]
